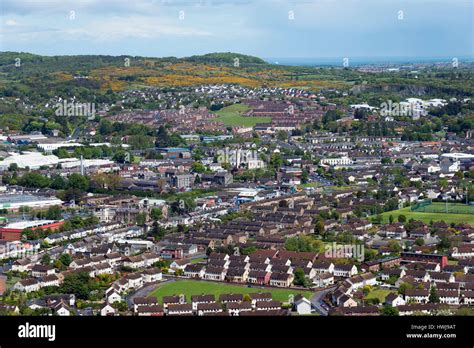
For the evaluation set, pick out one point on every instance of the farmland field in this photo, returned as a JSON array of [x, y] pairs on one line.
[[232, 116], [427, 217], [195, 287]]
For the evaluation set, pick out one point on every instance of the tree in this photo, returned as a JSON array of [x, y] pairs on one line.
[[393, 246], [198, 167], [419, 241], [300, 278], [140, 219], [156, 214], [304, 176], [389, 311], [402, 218], [404, 287], [319, 227], [247, 298], [45, 259], [434, 297], [65, 259], [390, 219], [54, 213], [78, 182]]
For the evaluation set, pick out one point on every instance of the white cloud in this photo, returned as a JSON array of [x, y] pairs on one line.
[[11, 22]]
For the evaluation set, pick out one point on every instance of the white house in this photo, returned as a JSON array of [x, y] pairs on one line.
[[106, 310], [394, 300], [302, 305]]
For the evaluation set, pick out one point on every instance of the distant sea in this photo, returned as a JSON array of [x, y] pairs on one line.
[[359, 61]]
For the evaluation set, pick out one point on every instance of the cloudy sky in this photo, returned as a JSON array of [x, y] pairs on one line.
[[265, 28]]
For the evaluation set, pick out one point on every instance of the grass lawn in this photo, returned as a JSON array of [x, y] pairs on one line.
[[194, 287], [12, 281], [427, 217], [194, 261], [378, 293], [232, 116]]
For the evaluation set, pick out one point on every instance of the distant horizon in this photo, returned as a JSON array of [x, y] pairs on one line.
[[300, 61]]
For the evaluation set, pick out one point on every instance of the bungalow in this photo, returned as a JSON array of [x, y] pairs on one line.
[[259, 277], [464, 251], [218, 263], [359, 311], [173, 300], [215, 273], [202, 299], [267, 305], [410, 309], [259, 297], [438, 277], [449, 297], [194, 271], [283, 280], [143, 302], [467, 297], [420, 276], [231, 298], [151, 310], [417, 295], [179, 309], [235, 308], [207, 308]]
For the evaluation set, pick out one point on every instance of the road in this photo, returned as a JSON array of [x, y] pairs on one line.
[[316, 300], [143, 292]]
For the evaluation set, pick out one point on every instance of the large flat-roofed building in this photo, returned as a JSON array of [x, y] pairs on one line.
[[12, 231], [13, 202]]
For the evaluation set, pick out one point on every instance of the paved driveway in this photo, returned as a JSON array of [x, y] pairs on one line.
[[316, 300]]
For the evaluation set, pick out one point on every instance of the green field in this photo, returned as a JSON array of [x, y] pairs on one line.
[[378, 293], [232, 116], [195, 287], [427, 217]]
